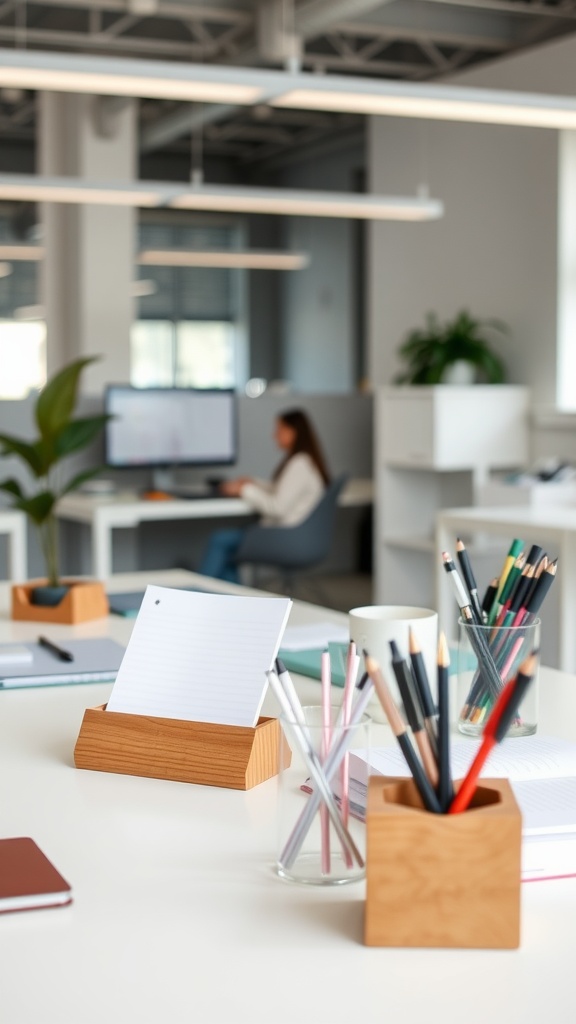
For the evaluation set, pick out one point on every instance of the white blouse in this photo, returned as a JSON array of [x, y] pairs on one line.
[[290, 498]]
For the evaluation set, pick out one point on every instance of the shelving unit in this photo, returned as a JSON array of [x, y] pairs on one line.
[[434, 449]]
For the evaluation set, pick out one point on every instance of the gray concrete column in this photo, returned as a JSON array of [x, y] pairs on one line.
[[89, 263]]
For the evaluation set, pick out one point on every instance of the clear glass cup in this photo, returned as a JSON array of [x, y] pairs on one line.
[[310, 848], [488, 657]]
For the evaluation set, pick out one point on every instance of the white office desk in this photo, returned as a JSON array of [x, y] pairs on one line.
[[548, 525], [13, 524], [177, 915], [105, 514]]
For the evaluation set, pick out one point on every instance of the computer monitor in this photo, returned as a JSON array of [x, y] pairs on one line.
[[155, 427]]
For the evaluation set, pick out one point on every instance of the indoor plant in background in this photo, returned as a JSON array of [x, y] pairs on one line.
[[60, 435], [436, 353]]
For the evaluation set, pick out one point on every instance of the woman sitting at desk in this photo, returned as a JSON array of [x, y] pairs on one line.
[[295, 489]]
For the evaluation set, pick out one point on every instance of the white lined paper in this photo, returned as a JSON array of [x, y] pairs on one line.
[[200, 657]]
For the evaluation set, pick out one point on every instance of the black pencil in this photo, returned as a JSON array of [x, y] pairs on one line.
[[414, 713], [421, 780], [445, 786], [423, 687]]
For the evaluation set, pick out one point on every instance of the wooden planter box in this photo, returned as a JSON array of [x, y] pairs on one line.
[[85, 600]]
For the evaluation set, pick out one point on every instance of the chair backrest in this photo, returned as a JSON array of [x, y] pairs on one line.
[[295, 547]]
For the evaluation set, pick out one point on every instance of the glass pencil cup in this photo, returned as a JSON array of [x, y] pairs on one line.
[[488, 657], [318, 845]]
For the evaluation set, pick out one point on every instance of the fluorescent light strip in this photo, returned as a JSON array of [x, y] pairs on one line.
[[218, 198], [447, 103], [34, 188], [251, 259], [213, 83], [307, 204], [21, 252], [60, 72]]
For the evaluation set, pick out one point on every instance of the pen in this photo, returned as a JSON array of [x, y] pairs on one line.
[[292, 847], [324, 751], [496, 728], [58, 652], [294, 719], [469, 579]]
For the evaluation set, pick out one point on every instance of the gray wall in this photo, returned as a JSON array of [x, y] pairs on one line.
[[495, 251], [319, 303]]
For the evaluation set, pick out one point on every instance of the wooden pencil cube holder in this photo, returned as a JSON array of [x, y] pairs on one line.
[[442, 880], [166, 748]]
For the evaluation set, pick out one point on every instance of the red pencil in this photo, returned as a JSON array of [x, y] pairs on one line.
[[496, 728]]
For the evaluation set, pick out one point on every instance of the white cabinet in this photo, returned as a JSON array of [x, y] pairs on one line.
[[434, 447]]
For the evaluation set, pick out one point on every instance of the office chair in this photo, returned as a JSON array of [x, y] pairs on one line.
[[293, 548]]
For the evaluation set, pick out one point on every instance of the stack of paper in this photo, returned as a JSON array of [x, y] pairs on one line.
[[542, 772]]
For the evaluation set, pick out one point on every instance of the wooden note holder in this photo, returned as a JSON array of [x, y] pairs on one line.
[[166, 748], [442, 880]]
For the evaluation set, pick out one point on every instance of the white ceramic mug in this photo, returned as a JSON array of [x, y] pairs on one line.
[[374, 626]]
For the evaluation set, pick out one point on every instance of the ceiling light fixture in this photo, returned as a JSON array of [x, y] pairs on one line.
[[213, 83], [106, 76], [249, 259], [21, 252], [229, 198], [433, 102]]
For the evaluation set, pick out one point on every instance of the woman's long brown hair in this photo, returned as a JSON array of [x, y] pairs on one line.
[[306, 440]]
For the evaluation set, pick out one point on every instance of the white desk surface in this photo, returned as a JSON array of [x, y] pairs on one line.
[[178, 917], [125, 510]]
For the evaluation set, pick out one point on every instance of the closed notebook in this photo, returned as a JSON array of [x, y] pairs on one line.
[[94, 660], [308, 662], [28, 880]]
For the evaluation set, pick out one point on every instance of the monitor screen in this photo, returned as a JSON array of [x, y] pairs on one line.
[[170, 427]]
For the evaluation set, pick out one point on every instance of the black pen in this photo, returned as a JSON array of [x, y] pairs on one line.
[[58, 652]]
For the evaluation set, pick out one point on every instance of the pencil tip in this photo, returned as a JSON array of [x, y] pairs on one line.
[[280, 666], [362, 683], [443, 655]]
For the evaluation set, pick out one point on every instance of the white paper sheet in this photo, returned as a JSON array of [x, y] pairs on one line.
[[542, 773], [200, 657]]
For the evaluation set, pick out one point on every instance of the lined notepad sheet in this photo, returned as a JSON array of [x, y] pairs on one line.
[[200, 657]]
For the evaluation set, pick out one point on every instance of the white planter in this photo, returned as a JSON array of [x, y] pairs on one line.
[[461, 372]]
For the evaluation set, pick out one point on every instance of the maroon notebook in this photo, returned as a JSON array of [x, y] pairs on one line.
[[28, 880]]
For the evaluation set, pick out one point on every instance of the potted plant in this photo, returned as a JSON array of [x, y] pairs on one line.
[[60, 434], [432, 354]]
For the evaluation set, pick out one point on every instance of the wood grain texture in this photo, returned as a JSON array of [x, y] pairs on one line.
[[442, 880], [85, 600], [165, 748]]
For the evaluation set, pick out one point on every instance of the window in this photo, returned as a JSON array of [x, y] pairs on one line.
[[22, 342], [22, 357], [189, 332], [192, 353]]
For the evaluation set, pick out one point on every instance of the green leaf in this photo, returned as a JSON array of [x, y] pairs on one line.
[[57, 399], [12, 487], [39, 507], [30, 453], [77, 434]]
